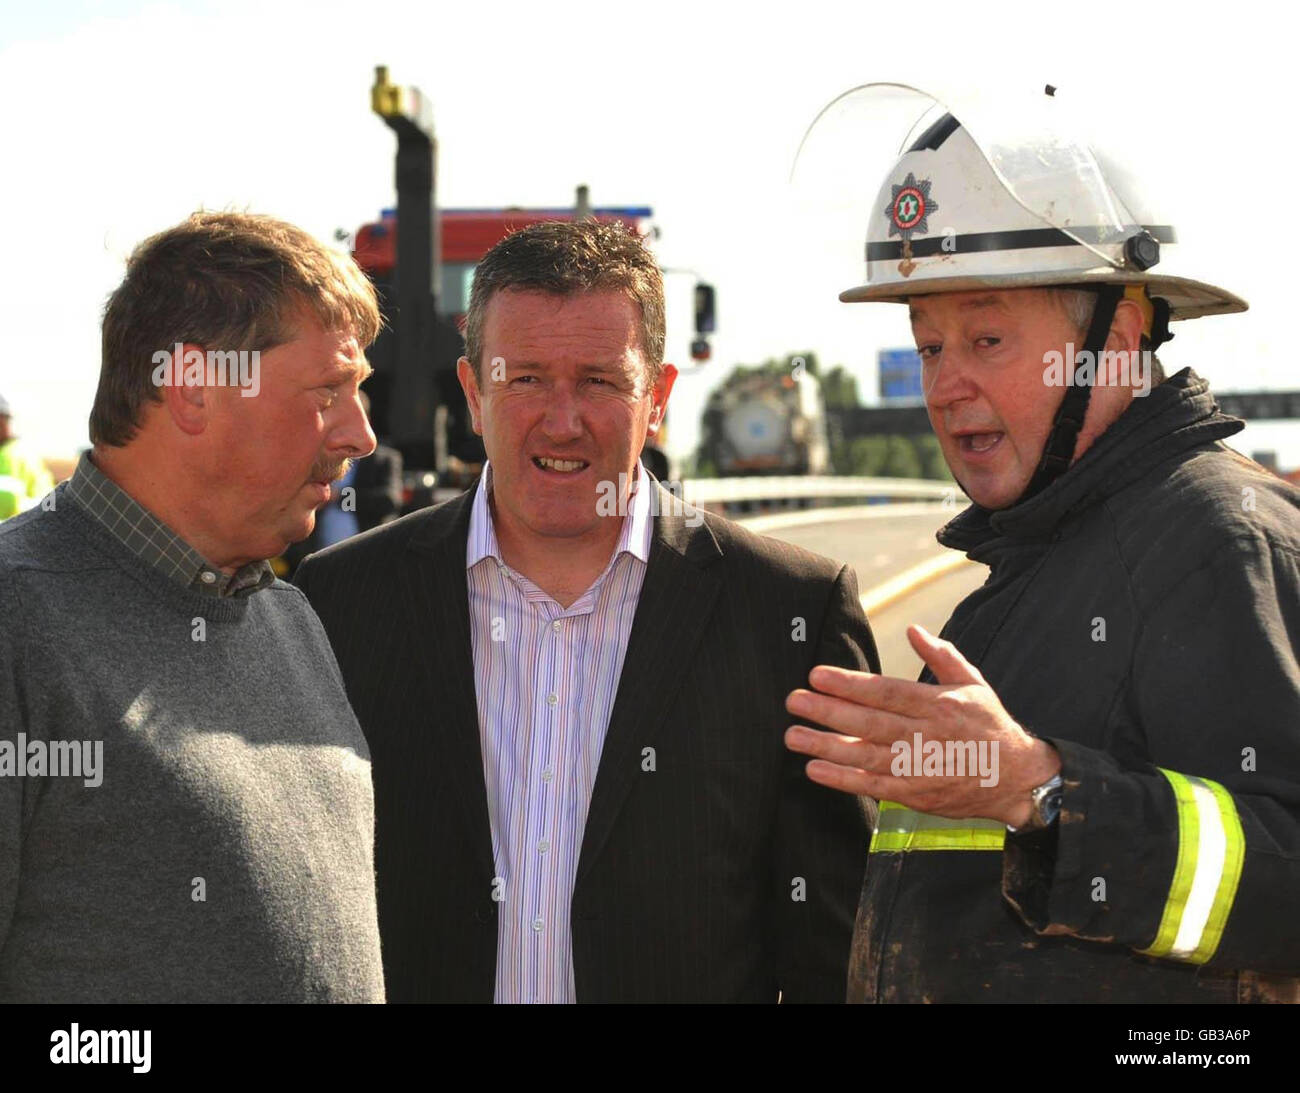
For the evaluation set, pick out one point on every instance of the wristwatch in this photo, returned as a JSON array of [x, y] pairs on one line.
[[1044, 805]]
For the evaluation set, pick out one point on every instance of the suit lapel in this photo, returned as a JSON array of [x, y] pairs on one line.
[[438, 615], [677, 598]]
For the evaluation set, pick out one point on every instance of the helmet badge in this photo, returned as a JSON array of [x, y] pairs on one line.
[[908, 211], [910, 207]]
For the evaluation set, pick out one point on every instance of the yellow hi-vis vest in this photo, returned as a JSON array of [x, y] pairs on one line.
[[23, 480]]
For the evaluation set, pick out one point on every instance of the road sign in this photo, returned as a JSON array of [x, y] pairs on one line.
[[900, 377]]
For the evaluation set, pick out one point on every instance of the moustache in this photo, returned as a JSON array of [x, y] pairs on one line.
[[330, 472]]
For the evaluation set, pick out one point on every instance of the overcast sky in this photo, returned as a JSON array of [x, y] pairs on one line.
[[121, 118]]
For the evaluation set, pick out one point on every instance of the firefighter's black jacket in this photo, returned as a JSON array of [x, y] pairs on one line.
[[1143, 615]]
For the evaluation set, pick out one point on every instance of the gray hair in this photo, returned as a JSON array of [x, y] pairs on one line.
[[1079, 304]]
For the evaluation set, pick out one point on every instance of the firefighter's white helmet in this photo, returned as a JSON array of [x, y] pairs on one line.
[[983, 196]]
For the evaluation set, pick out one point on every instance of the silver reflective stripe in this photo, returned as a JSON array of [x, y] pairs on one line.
[[1211, 852]]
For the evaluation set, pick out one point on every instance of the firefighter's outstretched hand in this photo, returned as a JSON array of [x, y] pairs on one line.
[[949, 749]]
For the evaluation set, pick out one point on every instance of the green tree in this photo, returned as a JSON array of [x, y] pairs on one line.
[[840, 389], [868, 455], [889, 456], [932, 460], [902, 459]]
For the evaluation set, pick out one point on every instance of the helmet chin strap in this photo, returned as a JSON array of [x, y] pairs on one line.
[[1058, 452]]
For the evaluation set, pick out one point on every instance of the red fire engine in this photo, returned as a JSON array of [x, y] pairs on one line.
[[421, 260]]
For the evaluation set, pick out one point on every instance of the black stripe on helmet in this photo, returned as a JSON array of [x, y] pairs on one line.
[[1026, 239], [933, 137]]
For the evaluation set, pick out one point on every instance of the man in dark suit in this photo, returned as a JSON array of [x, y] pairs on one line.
[[573, 686]]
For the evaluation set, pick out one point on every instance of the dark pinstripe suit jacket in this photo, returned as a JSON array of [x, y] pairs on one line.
[[721, 875]]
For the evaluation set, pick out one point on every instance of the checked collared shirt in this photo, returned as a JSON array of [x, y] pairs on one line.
[[153, 542]]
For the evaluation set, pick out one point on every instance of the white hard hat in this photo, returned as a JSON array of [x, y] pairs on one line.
[[4, 407], [1011, 197]]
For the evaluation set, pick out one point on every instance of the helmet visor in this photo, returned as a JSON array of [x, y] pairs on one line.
[[1037, 150]]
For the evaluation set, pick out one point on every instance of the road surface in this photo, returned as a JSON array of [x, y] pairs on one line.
[[880, 546]]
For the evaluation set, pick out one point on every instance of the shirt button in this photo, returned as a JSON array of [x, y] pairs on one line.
[[552, 699], [557, 626], [547, 774], [543, 846], [208, 576], [537, 925]]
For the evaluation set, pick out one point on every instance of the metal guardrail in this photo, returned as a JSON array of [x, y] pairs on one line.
[[722, 491], [716, 491]]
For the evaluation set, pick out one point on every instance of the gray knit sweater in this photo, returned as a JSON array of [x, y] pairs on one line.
[[221, 847]]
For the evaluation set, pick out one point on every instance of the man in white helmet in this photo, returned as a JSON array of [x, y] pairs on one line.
[[1093, 791]]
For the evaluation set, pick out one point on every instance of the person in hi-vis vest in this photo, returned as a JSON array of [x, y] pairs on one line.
[[23, 477]]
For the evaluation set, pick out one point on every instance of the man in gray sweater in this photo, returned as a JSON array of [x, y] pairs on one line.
[[186, 811]]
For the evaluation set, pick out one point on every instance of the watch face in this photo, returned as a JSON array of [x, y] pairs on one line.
[[1047, 801], [1045, 805]]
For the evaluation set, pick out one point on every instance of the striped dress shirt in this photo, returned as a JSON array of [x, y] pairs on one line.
[[545, 678]]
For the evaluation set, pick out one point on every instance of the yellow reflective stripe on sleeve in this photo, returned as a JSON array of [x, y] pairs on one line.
[[1211, 849], [1184, 867], [901, 829]]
